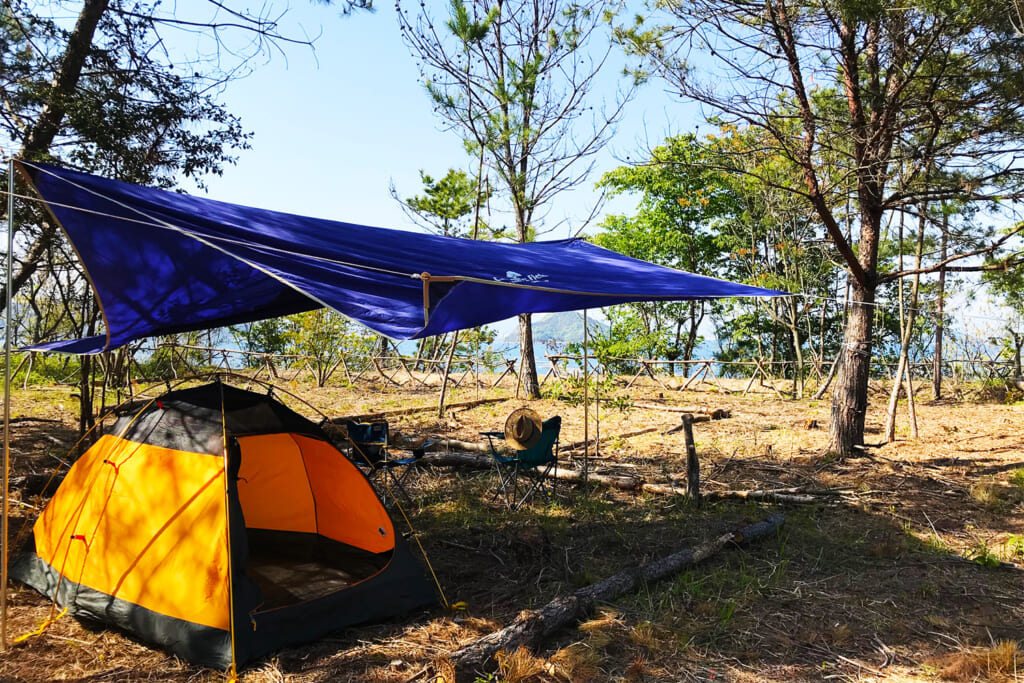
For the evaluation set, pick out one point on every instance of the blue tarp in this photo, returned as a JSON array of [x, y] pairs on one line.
[[163, 262]]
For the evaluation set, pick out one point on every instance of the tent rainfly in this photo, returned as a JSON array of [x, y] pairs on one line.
[[145, 534], [162, 262]]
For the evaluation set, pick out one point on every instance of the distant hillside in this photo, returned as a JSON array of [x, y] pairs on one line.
[[560, 327]]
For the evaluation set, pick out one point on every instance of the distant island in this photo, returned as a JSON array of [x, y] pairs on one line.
[[558, 327]]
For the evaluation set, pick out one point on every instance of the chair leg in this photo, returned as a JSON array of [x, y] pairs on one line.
[[408, 475], [390, 487], [541, 482], [501, 489]]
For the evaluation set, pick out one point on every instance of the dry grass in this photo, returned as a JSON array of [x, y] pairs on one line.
[[876, 582], [1000, 662]]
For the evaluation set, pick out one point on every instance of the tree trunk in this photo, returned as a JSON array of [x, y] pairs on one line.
[[798, 363], [940, 296], [85, 419], [447, 371], [42, 133], [828, 379], [1018, 342], [528, 373], [850, 400], [894, 397]]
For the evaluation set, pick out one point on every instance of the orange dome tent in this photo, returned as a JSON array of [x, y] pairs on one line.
[[220, 525]]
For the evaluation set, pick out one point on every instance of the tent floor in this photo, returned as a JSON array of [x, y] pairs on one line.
[[286, 581]]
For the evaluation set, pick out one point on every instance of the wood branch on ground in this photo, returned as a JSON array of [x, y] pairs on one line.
[[577, 445], [792, 496], [693, 418], [533, 628]]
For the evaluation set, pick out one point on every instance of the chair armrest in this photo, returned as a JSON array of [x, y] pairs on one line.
[[496, 435]]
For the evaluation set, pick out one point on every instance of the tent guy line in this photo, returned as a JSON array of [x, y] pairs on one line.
[[157, 224], [164, 225]]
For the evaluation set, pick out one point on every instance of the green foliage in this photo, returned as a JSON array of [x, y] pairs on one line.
[[984, 556], [1015, 546], [514, 80], [681, 203], [467, 30], [871, 109], [134, 114], [475, 344], [263, 336], [173, 356], [774, 240], [47, 368], [633, 331], [724, 206], [573, 388], [499, 76], [325, 339], [447, 205]]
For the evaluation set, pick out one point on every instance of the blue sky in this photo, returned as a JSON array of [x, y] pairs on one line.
[[333, 128]]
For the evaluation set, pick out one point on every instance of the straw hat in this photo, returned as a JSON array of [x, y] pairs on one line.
[[522, 429]]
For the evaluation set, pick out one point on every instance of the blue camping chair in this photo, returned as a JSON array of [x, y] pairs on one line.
[[522, 475], [370, 451]]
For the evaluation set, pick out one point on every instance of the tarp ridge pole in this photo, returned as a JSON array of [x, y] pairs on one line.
[[586, 406], [426, 298], [7, 406]]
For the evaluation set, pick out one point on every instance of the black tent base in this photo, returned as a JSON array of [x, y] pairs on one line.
[[288, 616]]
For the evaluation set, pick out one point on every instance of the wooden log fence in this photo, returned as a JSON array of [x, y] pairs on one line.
[[398, 370]]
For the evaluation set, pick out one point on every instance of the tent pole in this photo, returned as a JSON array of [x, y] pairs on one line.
[[586, 406], [233, 671], [5, 533]]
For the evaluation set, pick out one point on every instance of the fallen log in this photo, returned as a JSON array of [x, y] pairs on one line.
[[794, 496], [16, 420], [534, 627], [468, 446], [713, 413], [775, 496], [456, 459], [416, 409], [485, 462], [617, 481]]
